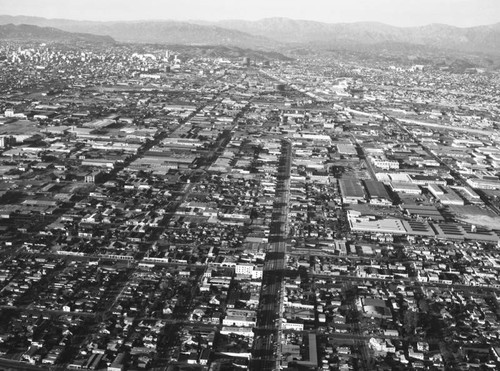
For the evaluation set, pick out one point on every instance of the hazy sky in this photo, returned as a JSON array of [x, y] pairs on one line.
[[395, 12]]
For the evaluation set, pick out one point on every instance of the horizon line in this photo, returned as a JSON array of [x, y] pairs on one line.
[[213, 22]]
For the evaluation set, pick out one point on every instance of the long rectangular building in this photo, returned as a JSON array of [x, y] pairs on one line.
[[450, 231], [351, 190], [377, 192]]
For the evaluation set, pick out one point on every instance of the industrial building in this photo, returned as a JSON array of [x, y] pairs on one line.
[[377, 192], [351, 190]]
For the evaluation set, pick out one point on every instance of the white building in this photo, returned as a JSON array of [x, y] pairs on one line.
[[384, 163], [293, 326]]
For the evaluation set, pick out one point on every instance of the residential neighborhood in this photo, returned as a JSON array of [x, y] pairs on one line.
[[167, 211]]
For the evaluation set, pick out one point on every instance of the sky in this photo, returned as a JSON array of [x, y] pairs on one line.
[[462, 13]]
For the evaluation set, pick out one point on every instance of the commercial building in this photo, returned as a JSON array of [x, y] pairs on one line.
[[351, 190]]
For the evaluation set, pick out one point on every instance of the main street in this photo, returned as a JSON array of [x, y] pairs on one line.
[[266, 350]]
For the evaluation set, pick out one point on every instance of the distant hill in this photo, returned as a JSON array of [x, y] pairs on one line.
[[273, 33], [161, 32], [474, 39], [30, 32]]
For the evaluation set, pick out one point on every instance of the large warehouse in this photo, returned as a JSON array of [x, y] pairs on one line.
[[351, 190], [377, 192]]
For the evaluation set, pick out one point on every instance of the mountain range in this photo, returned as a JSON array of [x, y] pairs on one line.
[[161, 32], [273, 33], [30, 32], [482, 38]]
